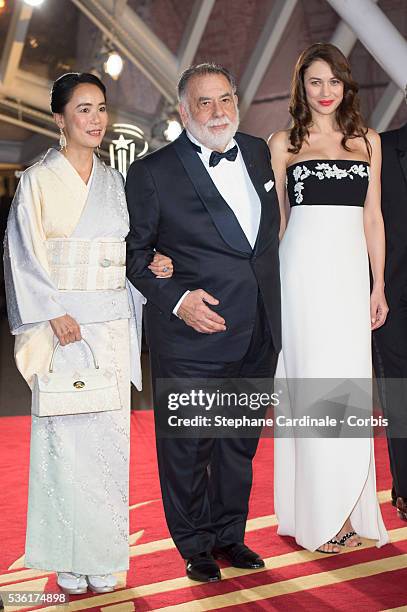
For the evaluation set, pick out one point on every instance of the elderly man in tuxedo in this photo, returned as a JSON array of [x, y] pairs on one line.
[[208, 201], [390, 341]]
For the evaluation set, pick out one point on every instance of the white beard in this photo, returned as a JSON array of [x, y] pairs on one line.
[[209, 139]]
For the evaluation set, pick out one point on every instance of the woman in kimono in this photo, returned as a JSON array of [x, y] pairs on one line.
[[65, 280]]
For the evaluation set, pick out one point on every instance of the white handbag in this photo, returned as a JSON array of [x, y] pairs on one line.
[[76, 392]]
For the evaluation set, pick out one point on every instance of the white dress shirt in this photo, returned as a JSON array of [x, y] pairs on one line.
[[232, 181]]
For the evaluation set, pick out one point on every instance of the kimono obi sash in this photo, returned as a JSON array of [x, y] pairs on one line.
[[87, 265]]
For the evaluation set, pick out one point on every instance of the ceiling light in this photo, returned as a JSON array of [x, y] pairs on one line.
[[34, 2], [2, 4], [168, 127], [172, 130], [114, 65]]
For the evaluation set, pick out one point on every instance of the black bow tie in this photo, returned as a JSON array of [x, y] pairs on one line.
[[229, 155]]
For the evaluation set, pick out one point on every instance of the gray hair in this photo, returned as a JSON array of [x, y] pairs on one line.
[[201, 70]]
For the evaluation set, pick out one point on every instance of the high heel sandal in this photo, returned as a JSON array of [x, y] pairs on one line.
[[347, 537], [330, 552]]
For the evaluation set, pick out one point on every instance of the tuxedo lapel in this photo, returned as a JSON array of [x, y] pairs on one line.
[[402, 149], [221, 213], [253, 170]]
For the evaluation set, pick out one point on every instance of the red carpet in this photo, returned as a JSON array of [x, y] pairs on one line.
[[365, 579]]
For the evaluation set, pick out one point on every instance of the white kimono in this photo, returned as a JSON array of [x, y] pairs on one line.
[[65, 253]]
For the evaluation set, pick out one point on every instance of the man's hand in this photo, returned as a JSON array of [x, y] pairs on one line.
[[195, 313], [66, 329]]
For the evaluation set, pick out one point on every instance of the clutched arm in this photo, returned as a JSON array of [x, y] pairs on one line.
[[67, 329], [161, 266], [172, 299], [32, 297], [143, 205]]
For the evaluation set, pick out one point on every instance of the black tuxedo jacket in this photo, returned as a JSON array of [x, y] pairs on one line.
[[394, 208], [176, 209]]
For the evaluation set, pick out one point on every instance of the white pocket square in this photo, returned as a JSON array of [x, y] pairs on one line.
[[268, 185]]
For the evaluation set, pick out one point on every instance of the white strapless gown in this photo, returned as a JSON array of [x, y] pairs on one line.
[[320, 482]]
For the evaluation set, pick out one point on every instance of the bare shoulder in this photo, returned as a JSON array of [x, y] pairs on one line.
[[279, 142], [374, 138]]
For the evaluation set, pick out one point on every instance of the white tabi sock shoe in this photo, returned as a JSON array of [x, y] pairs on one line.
[[102, 583], [72, 584]]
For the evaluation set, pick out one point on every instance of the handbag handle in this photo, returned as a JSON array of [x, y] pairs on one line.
[[58, 344]]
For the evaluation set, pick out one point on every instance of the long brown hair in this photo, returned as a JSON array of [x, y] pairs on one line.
[[348, 117]]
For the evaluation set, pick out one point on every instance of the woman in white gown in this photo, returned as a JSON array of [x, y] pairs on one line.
[[325, 488], [65, 279]]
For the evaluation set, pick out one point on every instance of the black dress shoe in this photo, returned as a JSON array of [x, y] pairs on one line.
[[203, 568], [239, 555], [401, 505], [393, 496]]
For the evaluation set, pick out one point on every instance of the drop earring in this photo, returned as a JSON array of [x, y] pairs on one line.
[[62, 140], [98, 151]]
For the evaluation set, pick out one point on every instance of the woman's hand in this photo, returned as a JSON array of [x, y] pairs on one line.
[[66, 329], [378, 308], [161, 266]]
